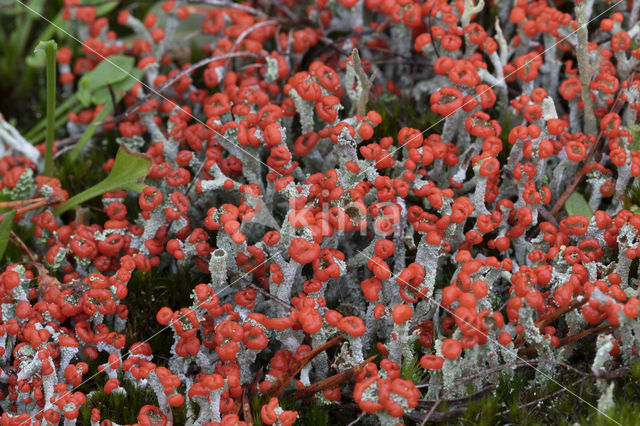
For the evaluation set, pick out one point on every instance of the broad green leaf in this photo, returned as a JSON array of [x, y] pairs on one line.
[[120, 88], [128, 173], [106, 7], [113, 69], [5, 230], [577, 205], [103, 96], [84, 96]]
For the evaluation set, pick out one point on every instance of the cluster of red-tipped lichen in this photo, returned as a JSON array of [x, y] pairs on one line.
[[272, 176]]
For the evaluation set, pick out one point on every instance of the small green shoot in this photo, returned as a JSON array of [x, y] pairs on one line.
[[113, 70], [412, 370], [50, 48]]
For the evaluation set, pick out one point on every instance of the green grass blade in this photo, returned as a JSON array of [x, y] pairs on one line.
[[50, 48], [5, 231], [86, 136]]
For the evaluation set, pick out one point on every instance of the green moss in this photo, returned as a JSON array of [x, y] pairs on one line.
[[412, 370], [515, 401], [123, 408], [402, 112], [150, 291]]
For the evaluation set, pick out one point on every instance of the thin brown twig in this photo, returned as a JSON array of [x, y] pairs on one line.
[[333, 44], [18, 203], [531, 350], [246, 407], [357, 420], [52, 199], [546, 214], [601, 328], [452, 414], [559, 312], [422, 403], [298, 364], [284, 8], [112, 95], [331, 382], [431, 411], [551, 318], [18, 241], [438, 416], [95, 4]]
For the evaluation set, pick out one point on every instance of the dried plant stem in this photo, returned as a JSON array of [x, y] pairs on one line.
[[298, 365], [357, 420], [244, 34], [332, 381], [551, 318], [531, 350], [18, 203], [246, 407], [515, 364], [40, 203], [18, 241], [365, 82], [585, 69]]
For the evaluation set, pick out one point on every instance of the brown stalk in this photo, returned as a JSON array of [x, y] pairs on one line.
[[18, 203], [40, 203], [332, 381], [531, 350], [551, 318], [246, 408], [298, 365], [18, 241], [515, 364]]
